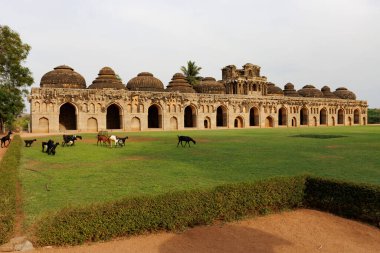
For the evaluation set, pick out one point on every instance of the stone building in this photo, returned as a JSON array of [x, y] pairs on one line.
[[242, 99]]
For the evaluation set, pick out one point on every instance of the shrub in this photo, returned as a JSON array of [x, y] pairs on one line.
[[171, 211], [8, 179], [350, 200]]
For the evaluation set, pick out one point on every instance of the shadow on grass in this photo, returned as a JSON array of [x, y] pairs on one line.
[[318, 136]]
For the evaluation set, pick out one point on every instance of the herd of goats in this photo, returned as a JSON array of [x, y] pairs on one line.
[[49, 146]]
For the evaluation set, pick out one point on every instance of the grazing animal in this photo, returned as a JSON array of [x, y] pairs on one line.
[[28, 143], [121, 140], [6, 138], [69, 140], [51, 148], [103, 139], [46, 144], [113, 138], [185, 139]]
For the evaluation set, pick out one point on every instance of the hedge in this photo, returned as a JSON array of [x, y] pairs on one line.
[[8, 179], [171, 211], [350, 200]]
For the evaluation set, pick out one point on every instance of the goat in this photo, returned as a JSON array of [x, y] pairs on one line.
[[51, 148], [103, 139], [28, 143], [46, 144], [6, 138], [186, 139], [121, 140], [69, 140]]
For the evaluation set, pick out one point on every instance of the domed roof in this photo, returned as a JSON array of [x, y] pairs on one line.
[[145, 81], [273, 89], [290, 91], [310, 91], [327, 92], [179, 83], [63, 77], [106, 79], [344, 93], [211, 86]]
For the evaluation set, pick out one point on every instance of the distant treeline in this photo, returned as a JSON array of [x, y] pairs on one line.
[[374, 116]]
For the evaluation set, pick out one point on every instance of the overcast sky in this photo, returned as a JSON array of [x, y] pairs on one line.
[[318, 42]]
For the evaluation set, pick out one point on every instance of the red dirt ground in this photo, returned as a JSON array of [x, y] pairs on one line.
[[302, 230]]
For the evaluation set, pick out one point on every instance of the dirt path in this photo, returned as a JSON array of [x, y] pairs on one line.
[[296, 231]]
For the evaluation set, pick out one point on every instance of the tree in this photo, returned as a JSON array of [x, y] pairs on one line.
[[14, 78], [373, 116], [191, 72]]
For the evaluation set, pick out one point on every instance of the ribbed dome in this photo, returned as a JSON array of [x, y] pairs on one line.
[[290, 91], [344, 93], [327, 92], [211, 86], [63, 77], [145, 81], [273, 89], [310, 91], [179, 83], [106, 79]]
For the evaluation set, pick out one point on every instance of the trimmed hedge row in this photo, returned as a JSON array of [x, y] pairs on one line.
[[8, 179], [350, 200], [171, 211]]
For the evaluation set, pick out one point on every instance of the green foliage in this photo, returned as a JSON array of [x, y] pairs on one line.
[[14, 78], [347, 199], [191, 72], [373, 116], [170, 211], [9, 166], [21, 123]]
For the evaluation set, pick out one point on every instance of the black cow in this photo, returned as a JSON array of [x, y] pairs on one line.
[[185, 139]]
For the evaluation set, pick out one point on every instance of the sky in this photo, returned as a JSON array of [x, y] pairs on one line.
[[318, 42]]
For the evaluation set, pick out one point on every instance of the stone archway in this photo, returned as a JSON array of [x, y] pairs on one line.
[[113, 117], [340, 117], [154, 117], [254, 117], [92, 125], [238, 122], [269, 121], [221, 116], [323, 117], [135, 124], [304, 117], [67, 117], [294, 122], [190, 117], [173, 123], [356, 116], [282, 117], [207, 122], [43, 125], [315, 121]]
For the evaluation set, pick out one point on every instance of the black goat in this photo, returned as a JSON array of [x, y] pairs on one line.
[[185, 139], [45, 144], [51, 147], [6, 138], [28, 143], [121, 140], [69, 140]]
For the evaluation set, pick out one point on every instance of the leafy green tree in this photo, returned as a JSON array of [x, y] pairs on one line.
[[14, 78], [191, 72], [374, 116]]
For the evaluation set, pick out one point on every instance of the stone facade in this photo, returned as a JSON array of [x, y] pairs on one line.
[[243, 99]]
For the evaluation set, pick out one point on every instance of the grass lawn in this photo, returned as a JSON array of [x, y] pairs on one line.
[[152, 164]]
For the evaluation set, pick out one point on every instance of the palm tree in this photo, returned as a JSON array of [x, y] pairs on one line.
[[191, 72]]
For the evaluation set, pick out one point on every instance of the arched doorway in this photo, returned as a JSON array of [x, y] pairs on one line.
[[315, 122], [67, 117], [282, 117], [190, 117], [269, 121], [349, 121], [340, 117], [154, 117], [364, 121], [92, 125], [304, 117], [238, 123], [333, 121], [135, 124], [221, 116], [113, 117], [207, 122], [173, 123], [356, 117], [323, 117], [294, 122], [254, 116], [43, 125]]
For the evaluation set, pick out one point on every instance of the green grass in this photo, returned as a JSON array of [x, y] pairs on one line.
[[152, 164]]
